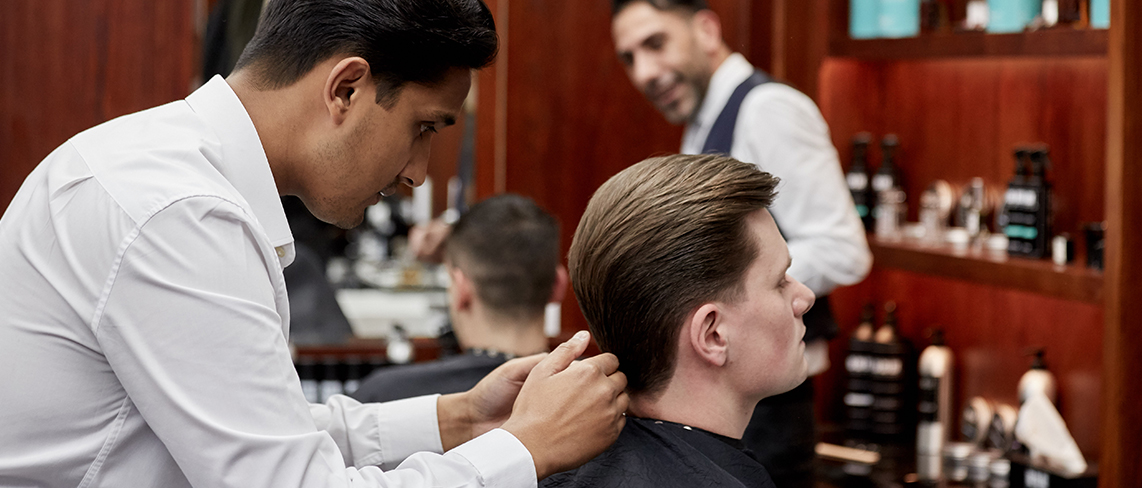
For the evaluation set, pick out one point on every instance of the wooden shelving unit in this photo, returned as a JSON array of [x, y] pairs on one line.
[[1054, 43], [991, 268]]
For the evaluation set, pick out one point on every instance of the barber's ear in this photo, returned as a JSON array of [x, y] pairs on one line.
[[707, 29], [559, 290], [462, 293], [349, 83], [706, 333]]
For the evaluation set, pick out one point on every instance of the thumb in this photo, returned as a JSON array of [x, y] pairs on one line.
[[559, 359], [517, 369]]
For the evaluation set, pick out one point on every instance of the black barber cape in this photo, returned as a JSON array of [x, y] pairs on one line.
[[657, 454], [453, 374]]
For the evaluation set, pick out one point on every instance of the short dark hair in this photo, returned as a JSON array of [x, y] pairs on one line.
[[509, 247], [690, 6], [656, 241], [404, 41]]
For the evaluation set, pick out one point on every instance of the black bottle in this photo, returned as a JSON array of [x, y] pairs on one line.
[[886, 177], [893, 410], [1028, 219], [858, 395], [858, 180]]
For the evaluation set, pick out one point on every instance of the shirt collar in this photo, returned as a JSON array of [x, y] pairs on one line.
[[243, 161], [732, 72]]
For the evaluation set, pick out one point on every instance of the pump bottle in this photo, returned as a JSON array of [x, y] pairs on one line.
[[935, 405], [1037, 380]]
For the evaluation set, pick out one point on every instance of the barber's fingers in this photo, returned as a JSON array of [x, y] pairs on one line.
[[619, 380], [517, 369], [607, 363], [562, 357]]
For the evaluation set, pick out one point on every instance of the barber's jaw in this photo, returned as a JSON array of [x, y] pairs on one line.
[[368, 149], [667, 55], [765, 330]]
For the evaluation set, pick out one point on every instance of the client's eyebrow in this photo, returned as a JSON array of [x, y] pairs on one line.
[[443, 118]]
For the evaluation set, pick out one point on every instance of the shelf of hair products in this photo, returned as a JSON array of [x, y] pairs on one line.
[[974, 218], [898, 409]]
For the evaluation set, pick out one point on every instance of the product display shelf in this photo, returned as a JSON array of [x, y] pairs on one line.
[[1052, 42], [982, 266]]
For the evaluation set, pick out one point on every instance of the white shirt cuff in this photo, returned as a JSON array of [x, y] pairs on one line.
[[500, 458], [405, 427]]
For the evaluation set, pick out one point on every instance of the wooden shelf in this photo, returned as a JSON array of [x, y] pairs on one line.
[[991, 268], [1056, 42]]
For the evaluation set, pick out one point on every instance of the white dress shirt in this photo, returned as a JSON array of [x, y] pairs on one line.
[[781, 131], [144, 327]]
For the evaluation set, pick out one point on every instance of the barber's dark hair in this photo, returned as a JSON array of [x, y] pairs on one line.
[[657, 241], [404, 41], [509, 248], [690, 6]]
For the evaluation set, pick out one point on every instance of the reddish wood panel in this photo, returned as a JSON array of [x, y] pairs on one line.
[[990, 330], [799, 42], [961, 118], [69, 65], [1122, 430]]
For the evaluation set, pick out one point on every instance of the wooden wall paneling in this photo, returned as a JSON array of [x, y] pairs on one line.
[[491, 108], [800, 42], [66, 66], [1122, 346], [761, 35]]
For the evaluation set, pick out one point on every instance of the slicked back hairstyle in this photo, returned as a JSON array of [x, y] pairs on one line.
[[657, 241], [509, 248], [690, 6], [404, 41]]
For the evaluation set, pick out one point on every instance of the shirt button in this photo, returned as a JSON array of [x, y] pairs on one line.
[[281, 251]]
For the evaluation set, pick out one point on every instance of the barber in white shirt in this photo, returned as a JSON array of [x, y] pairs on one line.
[[143, 313]]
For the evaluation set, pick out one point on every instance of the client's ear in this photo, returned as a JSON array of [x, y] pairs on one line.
[[559, 290], [461, 291], [705, 330]]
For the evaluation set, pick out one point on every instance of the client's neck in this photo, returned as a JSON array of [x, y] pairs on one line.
[[516, 336], [706, 405]]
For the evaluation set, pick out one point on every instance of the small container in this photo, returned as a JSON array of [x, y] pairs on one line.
[[977, 15], [1062, 249], [979, 466], [864, 22], [1008, 16], [956, 456], [999, 473]]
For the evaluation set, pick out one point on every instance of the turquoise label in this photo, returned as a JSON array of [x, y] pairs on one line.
[[899, 18], [863, 21], [1012, 15], [1100, 14], [1021, 232]]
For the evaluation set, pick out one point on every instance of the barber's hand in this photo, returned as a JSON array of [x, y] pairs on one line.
[[569, 411], [464, 416], [426, 241]]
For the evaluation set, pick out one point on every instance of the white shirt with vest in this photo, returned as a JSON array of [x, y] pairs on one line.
[[144, 327], [782, 131]]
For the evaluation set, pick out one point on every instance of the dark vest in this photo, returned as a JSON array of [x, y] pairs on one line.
[[819, 322]]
